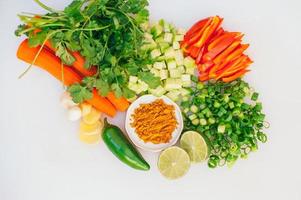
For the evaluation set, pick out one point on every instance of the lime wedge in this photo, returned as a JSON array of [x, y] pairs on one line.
[[195, 145], [173, 162]]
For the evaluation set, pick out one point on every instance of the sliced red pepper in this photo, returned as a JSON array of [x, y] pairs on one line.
[[193, 51], [221, 38], [220, 31], [196, 27], [194, 38], [217, 68], [240, 66], [221, 46], [232, 65], [199, 57], [235, 76], [226, 52], [216, 21], [238, 51], [203, 77]]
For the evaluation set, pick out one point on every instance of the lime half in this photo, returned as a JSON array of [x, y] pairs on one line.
[[173, 162], [195, 145]]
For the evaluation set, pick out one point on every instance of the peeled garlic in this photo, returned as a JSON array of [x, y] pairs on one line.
[[74, 113], [66, 100]]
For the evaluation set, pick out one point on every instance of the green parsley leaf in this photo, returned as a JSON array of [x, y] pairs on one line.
[[117, 90], [102, 87], [152, 81], [79, 93], [127, 93], [37, 39]]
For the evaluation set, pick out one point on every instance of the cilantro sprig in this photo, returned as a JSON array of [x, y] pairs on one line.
[[106, 32]]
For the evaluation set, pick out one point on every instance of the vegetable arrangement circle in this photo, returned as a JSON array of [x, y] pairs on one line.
[[110, 59]]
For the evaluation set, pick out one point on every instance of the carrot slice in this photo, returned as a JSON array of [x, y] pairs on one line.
[[52, 64], [120, 103]]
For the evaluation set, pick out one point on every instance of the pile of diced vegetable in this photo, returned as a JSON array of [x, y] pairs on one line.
[[162, 43]]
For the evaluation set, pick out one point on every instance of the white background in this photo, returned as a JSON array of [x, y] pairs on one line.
[[42, 158]]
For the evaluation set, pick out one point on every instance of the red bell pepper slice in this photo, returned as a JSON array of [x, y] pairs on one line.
[[235, 76], [222, 38], [196, 27], [237, 52], [203, 77], [220, 31], [193, 51], [194, 38], [226, 52], [216, 21], [199, 57], [232, 65]]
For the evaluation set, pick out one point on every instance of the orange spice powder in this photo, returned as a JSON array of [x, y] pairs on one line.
[[155, 122]]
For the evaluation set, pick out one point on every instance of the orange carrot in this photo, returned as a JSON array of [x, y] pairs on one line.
[[102, 104], [52, 64], [49, 62], [120, 103], [79, 63]]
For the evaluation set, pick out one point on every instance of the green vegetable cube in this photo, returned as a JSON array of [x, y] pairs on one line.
[[168, 37], [167, 27], [142, 85], [173, 95], [160, 40], [173, 84], [179, 57], [186, 83], [175, 73], [163, 46], [195, 122], [159, 91], [190, 71], [176, 45], [179, 38], [159, 65], [185, 98], [163, 74], [221, 128], [189, 62], [182, 69], [186, 78], [171, 64], [155, 53], [160, 58], [184, 92], [194, 109], [156, 30], [192, 117], [133, 79], [155, 72], [169, 53], [148, 36], [203, 122]]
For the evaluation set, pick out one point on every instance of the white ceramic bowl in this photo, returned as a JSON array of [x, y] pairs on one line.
[[148, 145]]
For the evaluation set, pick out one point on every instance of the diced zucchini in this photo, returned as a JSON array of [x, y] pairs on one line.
[[179, 57], [189, 62], [186, 110], [155, 53], [159, 40], [159, 91], [163, 74], [173, 84], [144, 26], [179, 38], [155, 72], [142, 86], [185, 77], [163, 46], [169, 53], [134, 87], [168, 37], [149, 46], [182, 69], [133, 79], [171, 64], [176, 45], [148, 36], [190, 71], [175, 73], [186, 83], [192, 117], [167, 27], [173, 95], [156, 30], [184, 92], [160, 58], [159, 65]]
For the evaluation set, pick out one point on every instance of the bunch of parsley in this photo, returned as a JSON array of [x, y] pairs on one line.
[[107, 33]]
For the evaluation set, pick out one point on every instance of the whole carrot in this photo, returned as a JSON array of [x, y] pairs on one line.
[[52, 64]]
